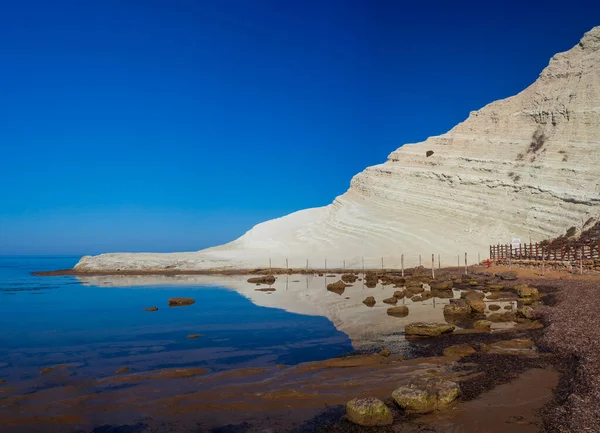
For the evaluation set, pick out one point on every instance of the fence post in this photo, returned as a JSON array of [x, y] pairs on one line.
[[420, 260], [382, 263], [325, 266], [363, 264], [286, 263], [306, 265], [439, 262], [581, 259], [478, 258], [344, 265], [466, 271], [543, 261], [433, 266], [269, 266], [402, 263]]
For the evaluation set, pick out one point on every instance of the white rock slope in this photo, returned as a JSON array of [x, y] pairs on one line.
[[527, 166]]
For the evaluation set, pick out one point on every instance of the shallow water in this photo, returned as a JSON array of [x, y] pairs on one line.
[[99, 328]]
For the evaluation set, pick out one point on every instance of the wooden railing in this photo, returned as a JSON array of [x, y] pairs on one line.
[[557, 251]]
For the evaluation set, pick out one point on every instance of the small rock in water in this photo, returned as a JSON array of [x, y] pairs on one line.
[[265, 289], [401, 311], [457, 307], [426, 395], [369, 412], [416, 298], [494, 307], [151, 309], [122, 370], [179, 302], [399, 294], [337, 287], [424, 329], [349, 278], [391, 300], [369, 301], [194, 336], [267, 279]]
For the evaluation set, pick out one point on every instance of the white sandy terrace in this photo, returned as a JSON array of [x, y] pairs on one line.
[[483, 185]]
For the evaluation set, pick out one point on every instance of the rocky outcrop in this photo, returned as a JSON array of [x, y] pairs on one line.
[[368, 412], [518, 167], [426, 395]]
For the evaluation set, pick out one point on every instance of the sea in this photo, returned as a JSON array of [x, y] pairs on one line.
[[47, 322]]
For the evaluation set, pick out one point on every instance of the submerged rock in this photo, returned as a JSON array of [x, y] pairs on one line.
[[401, 311], [267, 279], [416, 298], [369, 412], [508, 316], [385, 353], [122, 370], [425, 329], [426, 395], [151, 309], [180, 302], [194, 336], [265, 289], [494, 307]]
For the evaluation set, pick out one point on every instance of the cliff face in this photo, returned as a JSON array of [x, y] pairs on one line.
[[527, 166]]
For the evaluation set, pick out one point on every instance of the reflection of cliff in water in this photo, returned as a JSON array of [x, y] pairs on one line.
[[304, 294]]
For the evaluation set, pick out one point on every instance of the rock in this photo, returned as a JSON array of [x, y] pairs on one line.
[[2, 381], [509, 316], [494, 307], [473, 283], [151, 309], [122, 370], [427, 294], [337, 287], [267, 279], [321, 274], [443, 294], [457, 307], [508, 276], [369, 412], [411, 291], [443, 285], [526, 292], [194, 336], [426, 395], [401, 311], [349, 278], [527, 313], [425, 329], [472, 294], [416, 298], [385, 353], [459, 350], [477, 305], [369, 301], [399, 294], [517, 346], [265, 289], [391, 300], [371, 280], [508, 307], [494, 287], [180, 302], [482, 324]]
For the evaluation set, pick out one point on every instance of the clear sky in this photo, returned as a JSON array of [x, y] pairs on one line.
[[142, 125]]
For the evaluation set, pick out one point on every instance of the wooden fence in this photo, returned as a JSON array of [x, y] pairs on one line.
[[556, 251]]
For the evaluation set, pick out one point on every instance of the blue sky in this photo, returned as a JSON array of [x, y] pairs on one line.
[[176, 125]]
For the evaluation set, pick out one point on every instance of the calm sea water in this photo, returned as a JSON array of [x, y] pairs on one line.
[[47, 321]]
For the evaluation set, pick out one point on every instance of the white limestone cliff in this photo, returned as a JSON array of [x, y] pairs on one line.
[[527, 166]]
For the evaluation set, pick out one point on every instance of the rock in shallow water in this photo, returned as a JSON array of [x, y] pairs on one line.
[[424, 329], [180, 302], [369, 412], [401, 311], [369, 301], [426, 395], [267, 279]]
